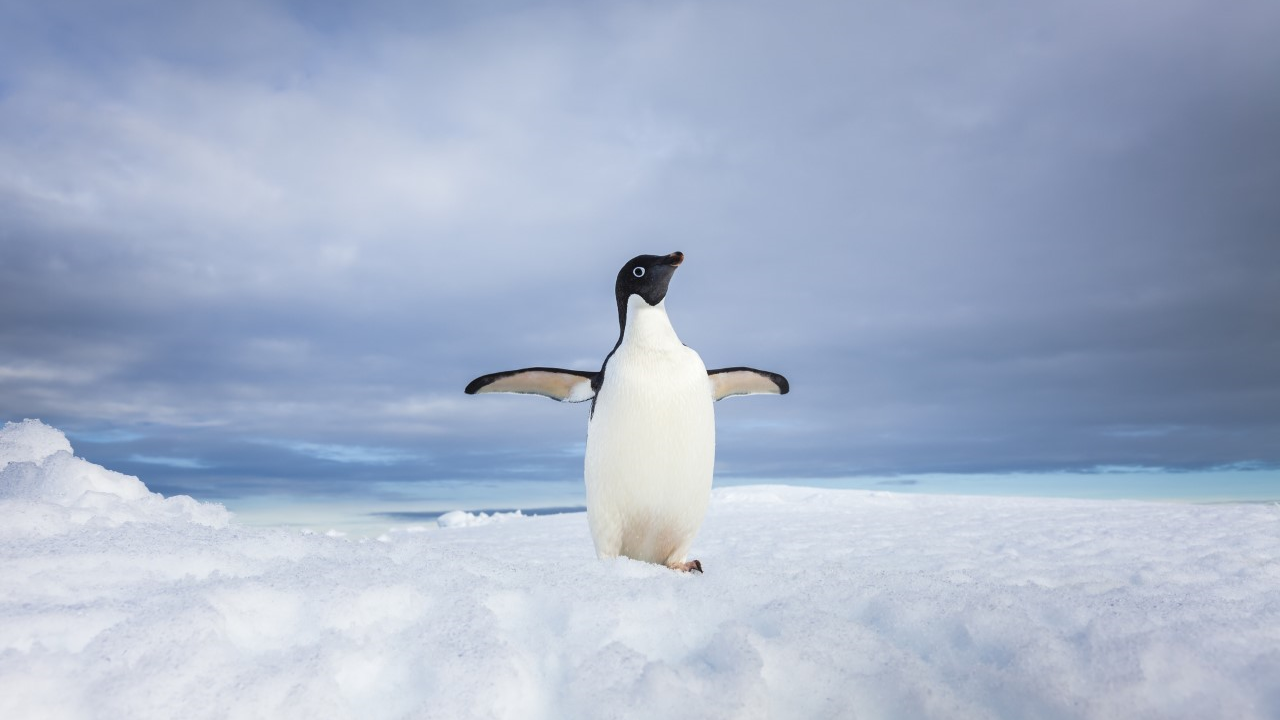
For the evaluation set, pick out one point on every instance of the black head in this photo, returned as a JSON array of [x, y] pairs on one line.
[[646, 276]]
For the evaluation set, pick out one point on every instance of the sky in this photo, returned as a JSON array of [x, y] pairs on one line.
[[257, 249]]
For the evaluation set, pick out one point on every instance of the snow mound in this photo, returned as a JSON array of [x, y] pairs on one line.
[[30, 441], [461, 518], [46, 489]]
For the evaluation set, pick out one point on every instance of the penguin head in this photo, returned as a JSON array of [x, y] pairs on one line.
[[647, 276]]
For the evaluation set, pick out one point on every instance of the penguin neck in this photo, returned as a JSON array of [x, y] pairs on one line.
[[644, 324]]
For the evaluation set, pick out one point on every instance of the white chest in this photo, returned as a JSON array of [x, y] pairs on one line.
[[650, 442], [652, 375]]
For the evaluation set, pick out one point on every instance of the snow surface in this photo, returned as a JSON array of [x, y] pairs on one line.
[[117, 603]]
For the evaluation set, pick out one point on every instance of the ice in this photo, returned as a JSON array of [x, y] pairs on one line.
[[815, 603], [30, 441], [461, 518]]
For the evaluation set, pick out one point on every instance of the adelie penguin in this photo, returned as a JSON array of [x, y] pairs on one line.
[[651, 437]]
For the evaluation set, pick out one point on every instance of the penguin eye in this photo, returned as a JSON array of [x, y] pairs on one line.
[[638, 272]]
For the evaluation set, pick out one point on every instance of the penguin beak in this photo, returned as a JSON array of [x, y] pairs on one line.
[[674, 259]]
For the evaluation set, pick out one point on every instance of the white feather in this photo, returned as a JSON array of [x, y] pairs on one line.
[[650, 443]]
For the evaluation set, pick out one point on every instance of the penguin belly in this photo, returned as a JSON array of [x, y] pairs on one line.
[[650, 453]]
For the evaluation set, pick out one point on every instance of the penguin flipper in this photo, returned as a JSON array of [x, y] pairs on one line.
[[727, 382], [555, 383]]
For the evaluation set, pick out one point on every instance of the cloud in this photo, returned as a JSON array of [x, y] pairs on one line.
[[1022, 238], [174, 462], [110, 435], [343, 453]]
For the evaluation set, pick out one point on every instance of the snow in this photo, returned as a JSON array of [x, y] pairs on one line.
[[461, 518], [116, 602], [45, 489]]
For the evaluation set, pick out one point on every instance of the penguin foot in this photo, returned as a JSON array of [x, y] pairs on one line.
[[690, 566]]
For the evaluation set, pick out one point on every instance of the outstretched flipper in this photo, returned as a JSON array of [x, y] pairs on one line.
[[555, 383], [727, 382]]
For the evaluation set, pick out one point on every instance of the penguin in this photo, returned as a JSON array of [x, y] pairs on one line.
[[651, 430]]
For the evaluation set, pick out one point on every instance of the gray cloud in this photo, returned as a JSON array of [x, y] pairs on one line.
[[981, 238]]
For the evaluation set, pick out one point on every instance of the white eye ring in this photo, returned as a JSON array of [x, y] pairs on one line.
[[638, 272]]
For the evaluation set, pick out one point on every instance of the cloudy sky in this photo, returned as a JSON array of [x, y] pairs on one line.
[[255, 248]]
